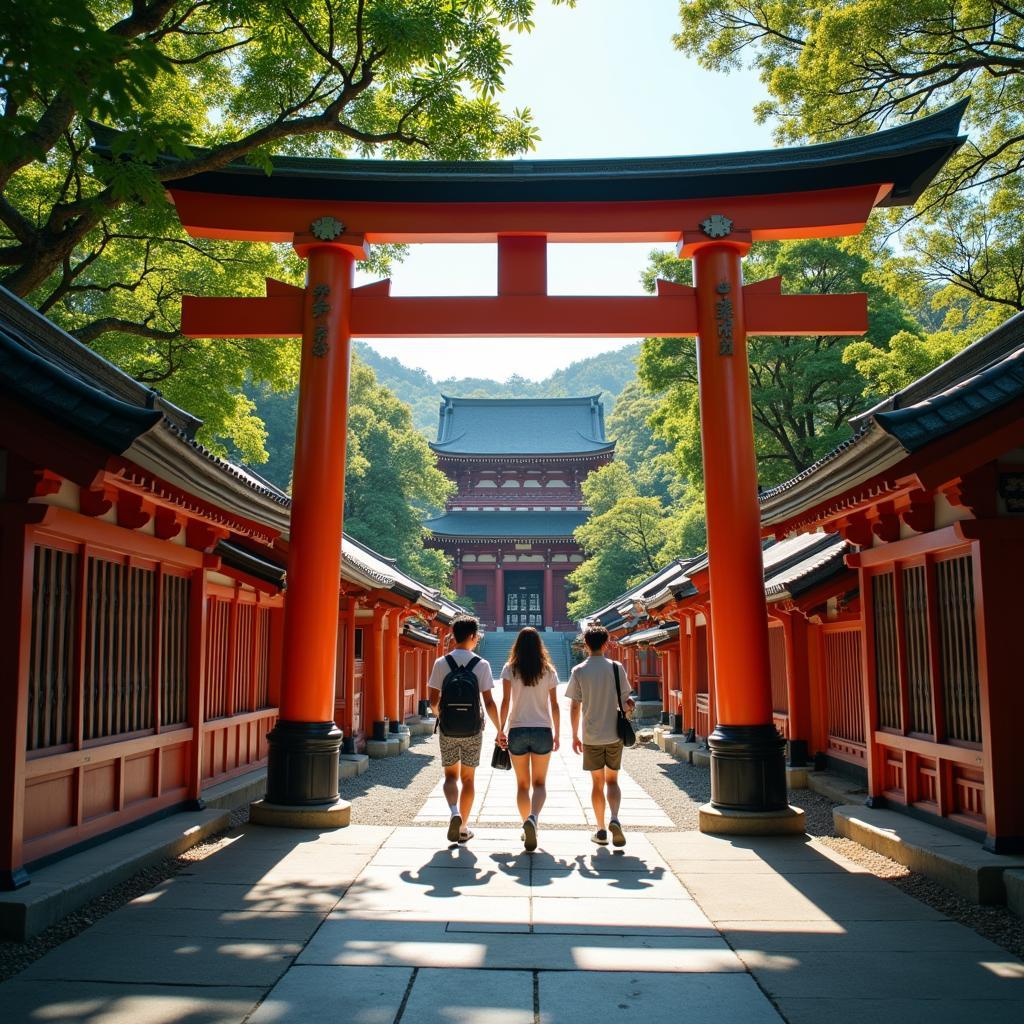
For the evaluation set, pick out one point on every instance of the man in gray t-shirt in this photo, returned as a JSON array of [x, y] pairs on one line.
[[594, 696]]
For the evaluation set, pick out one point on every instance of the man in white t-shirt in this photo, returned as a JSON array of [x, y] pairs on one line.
[[596, 687], [460, 755]]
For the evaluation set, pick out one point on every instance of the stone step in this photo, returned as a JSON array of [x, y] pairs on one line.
[[957, 862]]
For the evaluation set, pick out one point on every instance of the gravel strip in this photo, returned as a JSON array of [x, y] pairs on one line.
[[680, 789], [393, 789]]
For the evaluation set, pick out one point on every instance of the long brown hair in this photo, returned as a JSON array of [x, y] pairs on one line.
[[529, 657]]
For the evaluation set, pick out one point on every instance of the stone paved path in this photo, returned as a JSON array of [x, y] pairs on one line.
[[568, 801], [381, 925]]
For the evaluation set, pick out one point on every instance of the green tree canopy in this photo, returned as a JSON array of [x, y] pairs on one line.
[[91, 239], [391, 480], [838, 69], [623, 539], [802, 390]]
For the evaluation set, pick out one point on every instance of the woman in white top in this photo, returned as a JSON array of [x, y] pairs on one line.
[[530, 690]]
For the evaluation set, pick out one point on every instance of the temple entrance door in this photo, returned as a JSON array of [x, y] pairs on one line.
[[524, 601]]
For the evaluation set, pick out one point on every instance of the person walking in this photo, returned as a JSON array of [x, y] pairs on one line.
[[597, 687], [529, 704], [456, 685]]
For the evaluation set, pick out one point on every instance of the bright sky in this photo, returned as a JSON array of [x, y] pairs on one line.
[[602, 80]]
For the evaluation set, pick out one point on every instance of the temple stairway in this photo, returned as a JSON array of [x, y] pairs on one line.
[[494, 646]]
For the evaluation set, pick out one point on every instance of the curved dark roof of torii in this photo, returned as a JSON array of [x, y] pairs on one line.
[[909, 156]]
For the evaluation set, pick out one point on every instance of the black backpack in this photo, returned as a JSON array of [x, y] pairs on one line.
[[460, 700]]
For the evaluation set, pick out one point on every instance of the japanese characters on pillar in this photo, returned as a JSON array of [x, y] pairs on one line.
[[302, 766], [747, 754]]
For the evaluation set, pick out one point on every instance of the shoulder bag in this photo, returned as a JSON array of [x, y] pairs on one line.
[[623, 725]]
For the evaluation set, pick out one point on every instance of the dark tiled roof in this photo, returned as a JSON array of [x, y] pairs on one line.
[[909, 156], [506, 524], [919, 424], [973, 383], [521, 426], [74, 403]]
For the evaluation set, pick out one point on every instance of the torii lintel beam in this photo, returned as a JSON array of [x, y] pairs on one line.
[[671, 313]]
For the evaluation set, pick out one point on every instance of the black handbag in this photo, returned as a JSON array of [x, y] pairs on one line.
[[623, 725], [501, 758]]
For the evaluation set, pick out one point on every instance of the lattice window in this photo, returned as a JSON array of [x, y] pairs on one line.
[[118, 694], [52, 654], [218, 635], [918, 664], [887, 672], [843, 685], [958, 647], [777, 655], [174, 613]]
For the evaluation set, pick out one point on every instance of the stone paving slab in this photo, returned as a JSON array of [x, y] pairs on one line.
[[856, 937], [619, 916], [471, 997], [422, 944], [804, 897], [356, 995], [92, 1002], [645, 998], [246, 924], [192, 894], [165, 960], [918, 1010], [887, 975]]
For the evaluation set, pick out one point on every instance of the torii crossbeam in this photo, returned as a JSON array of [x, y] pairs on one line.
[[713, 207]]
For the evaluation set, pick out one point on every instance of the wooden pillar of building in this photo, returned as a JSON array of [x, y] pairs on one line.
[[549, 593], [347, 670], [499, 593], [798, 686], [393, 696], [998, 569], [16, 564], [748, 770], [459, 583], [303, 747], [375, 699]]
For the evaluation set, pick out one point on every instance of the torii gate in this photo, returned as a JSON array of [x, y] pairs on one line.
[[712, 207]]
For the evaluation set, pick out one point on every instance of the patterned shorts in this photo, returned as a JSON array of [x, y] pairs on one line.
[[460, 748]]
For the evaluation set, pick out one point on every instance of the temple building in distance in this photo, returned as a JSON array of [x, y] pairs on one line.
[[519, 466]]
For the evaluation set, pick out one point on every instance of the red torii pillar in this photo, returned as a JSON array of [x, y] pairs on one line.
[[302, 770], [748, 768]]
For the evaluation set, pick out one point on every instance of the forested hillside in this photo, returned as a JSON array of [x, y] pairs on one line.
[[607, 373]]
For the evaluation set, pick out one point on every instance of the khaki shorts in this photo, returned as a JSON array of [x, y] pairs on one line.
[[602, 755]]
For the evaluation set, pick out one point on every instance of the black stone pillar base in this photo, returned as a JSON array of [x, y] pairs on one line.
[[675, 723], [423, 709], [797, 753], [302, 763], [748, 768], [691, 736], [666, 717], [380, 730], [393, 727], [11, 880]]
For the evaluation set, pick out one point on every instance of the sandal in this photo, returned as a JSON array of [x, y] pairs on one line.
[[465, 835], [600, 837], [454, 828]]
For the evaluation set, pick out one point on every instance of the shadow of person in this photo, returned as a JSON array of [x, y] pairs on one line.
[[623, 870], [443, 880], [546, 868]]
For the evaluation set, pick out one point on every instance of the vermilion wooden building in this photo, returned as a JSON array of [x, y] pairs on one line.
[[141, 599], [892, 579], [519, 465]]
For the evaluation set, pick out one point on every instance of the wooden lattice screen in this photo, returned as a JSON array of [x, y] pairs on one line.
[[918, 667], [887, 672], [52, 654], [958, 648]]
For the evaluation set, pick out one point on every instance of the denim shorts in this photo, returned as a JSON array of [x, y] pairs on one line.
[[530, 741]]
